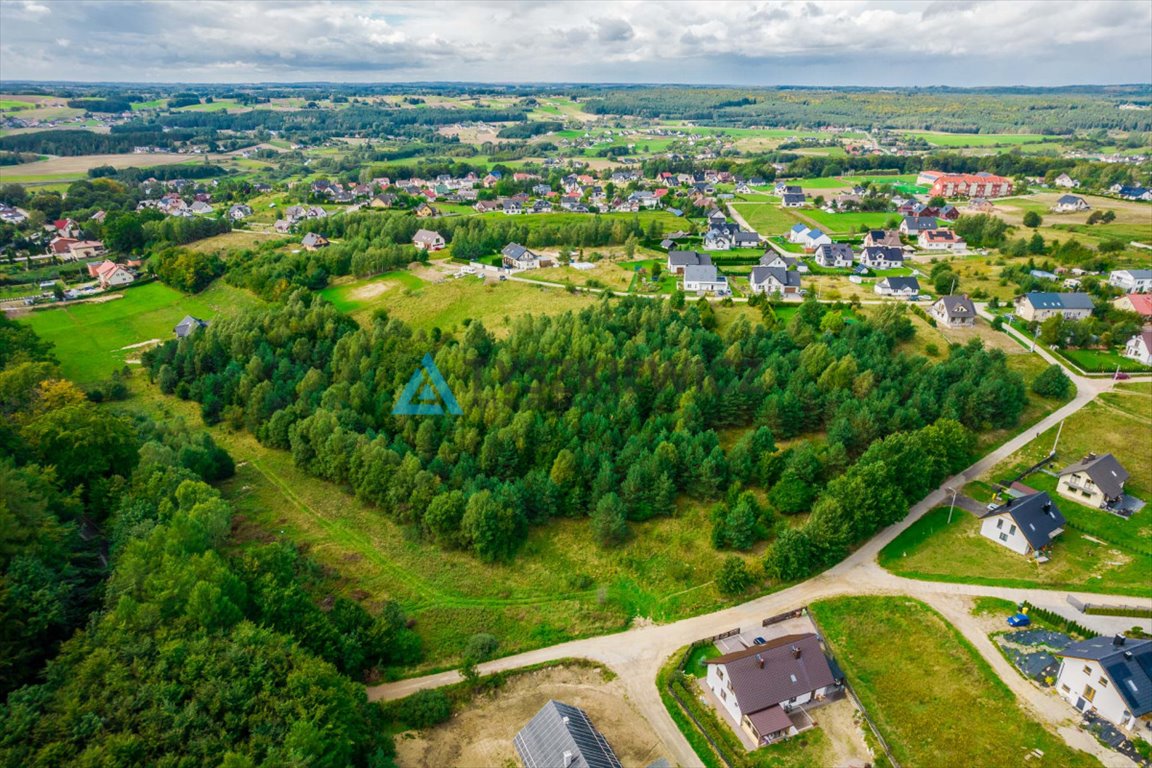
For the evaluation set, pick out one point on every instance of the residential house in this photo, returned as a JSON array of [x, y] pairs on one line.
[[1066, 181], [425, 211], [1026, 525], [778, 280], [1140, 303], [882, 257], [954, 311], [427, 240], [784, 188], [980, 205], [948, 213], [383, 200], [742, 239], [678, 261], [773, 259], [1096, 481], [541, 206], [759, 686], [1070, 204], [834, 255], [517, 256], [885, 237], [239, 212], [1110, 677], [898, 287], [1139, 347], [797, 234], [941, 240], [814, 238], [791, 200], [110, 274], [1131, 280], [1131, 193], [188, 326], [562, 736], [715, 217], [1038, 307], [914, 225], [487, 206], [60, 246], [313, 241], [200, 208], [702, 278], [719, 237]]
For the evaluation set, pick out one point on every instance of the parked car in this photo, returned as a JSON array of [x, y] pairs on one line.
[[1019, 620], [992, 505], [1121, 376], [759, 641]]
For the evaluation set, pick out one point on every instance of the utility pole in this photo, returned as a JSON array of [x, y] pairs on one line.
[[1057, 440], [952, 505]]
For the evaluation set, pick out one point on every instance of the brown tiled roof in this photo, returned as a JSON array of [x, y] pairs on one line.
[[787, 667]]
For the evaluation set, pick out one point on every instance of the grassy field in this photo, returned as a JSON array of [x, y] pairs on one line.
[[978, 139], [355, 295], [766, 218], [1133, 219], [237, 239], [846, 223], [64, 168], [931, 695], [90, 339]]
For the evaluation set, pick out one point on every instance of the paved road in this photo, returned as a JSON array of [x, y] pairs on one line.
[[637, 655]]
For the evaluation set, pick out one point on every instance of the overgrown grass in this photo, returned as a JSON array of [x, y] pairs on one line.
[[932, 696]]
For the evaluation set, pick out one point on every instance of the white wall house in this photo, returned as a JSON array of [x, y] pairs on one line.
[[1026, 525], [1139, 347], [1110, 677], [1131, 280], [704, 278]]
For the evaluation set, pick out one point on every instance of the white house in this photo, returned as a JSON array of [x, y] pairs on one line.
[[517, 256], [940, 240], [427, 240], [1110, 676], [1131, 280], [761, 685], [1066, 181], [954, 311], [834, 255], [1139, 347], [777, 280], [882, 257], [1026, 525], [678, 261], [797, 233], [110, 274], [814, 238], [1071, 204], [1095, 481], [1038, 307], [704, 278], [898, 287]]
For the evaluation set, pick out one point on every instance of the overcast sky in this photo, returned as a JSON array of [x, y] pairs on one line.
[[849, 42]]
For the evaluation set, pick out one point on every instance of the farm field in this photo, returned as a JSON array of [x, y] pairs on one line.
[[917, 689], [65, 168], [940, 139], [1133, 219], [90, 339], [767, 218]]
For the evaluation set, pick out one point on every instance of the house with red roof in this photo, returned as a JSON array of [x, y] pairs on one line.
[[1140, 303], [110, 274]]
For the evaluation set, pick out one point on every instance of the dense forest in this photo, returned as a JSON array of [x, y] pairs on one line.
[[131, 633], [610, 413]]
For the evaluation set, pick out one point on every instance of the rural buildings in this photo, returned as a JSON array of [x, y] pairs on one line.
[[188, 326], [71, 248], [1140, 303], [1038, 307], [1066, 181], [1070, 204], [914, 225], [886, 237], [954, 311], [761, 685], [516, 256], [427, 240], [679, 260], [1131, 280], [941, 240], [965, 184], [898, 287], [562, 736], [704, 278], [1026, 525], [1097, 481], [110, 274], [313, 241], [1111, 676], [882, 257], [778, 280], [1139, 347], [794, 200], [834, 255], [813, 239]]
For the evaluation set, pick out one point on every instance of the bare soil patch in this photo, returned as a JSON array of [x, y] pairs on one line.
[[371, 290], [481, 734]]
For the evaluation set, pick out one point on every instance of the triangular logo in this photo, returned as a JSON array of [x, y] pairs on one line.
[[426, 394]]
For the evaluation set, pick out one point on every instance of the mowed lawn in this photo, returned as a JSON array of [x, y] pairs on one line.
[[978, 139], [846, 223], [767, 218], [91, 338], [931, 695]]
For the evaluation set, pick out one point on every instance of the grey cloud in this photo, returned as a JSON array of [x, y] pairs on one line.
[[614, 30]]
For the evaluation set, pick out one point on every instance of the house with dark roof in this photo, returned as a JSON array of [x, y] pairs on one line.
[[1096, 481], [882, 257], [778, 280], [1139, 347], [704, 278], [1038, 307], [886, 237], [1110, 677], [516, 256], [914, 225], [954, 311], [773, 259], [834, 255], [678, 261], [427, 240], [898, 287], [1131, 280], [562, 736], [188, 326], [791, 200], [312, 241], [1026, 525], [760, 686], [1070, 204]]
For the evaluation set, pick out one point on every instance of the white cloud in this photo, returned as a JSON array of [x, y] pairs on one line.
[[889, 42]]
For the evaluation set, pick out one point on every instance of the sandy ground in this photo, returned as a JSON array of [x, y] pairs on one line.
[[839, 721], [482, 734], [371, 290]]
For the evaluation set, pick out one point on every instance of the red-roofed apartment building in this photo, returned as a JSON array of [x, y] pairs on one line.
[[965, 184]]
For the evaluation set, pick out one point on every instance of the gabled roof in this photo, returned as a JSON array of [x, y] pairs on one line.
[[1141, 303], [782, 275], [1135, 274], [702, 273], [1128, 663], [919, 223], [792, 666], [882, 252], [798, 228], [516, 252], [1037, 517], [1069, 200], [839, 250], [688, 258], [560, 730], [957, 307], [188, 325], [793, 198], [1105, 472], [902, 283], [1059, 300]]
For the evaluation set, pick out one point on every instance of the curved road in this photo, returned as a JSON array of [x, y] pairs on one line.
[[637, 655]]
